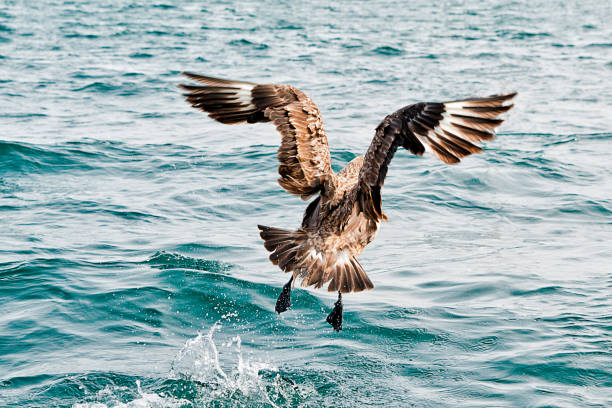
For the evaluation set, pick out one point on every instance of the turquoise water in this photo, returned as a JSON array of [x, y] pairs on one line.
[[131, 270]]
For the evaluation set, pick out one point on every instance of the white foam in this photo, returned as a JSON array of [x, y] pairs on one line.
[[146, 400]]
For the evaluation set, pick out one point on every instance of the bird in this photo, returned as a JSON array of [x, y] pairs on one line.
[[346, 212]]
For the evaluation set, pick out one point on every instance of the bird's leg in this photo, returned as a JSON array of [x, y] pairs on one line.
[[335, 317], [284, 300]]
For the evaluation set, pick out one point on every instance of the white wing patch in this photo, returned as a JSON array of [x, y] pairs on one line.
[[244, 95], [448, 130]]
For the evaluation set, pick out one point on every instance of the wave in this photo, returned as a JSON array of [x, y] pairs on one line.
[[248, 44], [387, 50], [95, 155], [164, 260], [26, 158]]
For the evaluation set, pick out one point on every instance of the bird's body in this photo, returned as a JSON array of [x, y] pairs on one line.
[[333, 234], [345, 215]]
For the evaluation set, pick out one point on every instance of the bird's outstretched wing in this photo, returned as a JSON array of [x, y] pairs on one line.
[[305, 163], [448, 130]]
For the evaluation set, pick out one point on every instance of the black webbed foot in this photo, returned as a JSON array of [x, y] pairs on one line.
[[335, 317], [284, 300]]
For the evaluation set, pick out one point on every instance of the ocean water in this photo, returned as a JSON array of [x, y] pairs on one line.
[[131, 270]]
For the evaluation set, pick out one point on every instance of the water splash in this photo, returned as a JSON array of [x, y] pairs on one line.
[[205, 373], [238, 379]]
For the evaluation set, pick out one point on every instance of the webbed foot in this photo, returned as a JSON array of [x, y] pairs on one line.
[[335, 317], [284, 300]]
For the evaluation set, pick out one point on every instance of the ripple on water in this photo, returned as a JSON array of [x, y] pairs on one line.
[[387, 50]]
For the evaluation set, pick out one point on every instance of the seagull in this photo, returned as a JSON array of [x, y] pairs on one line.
[[347, 210]]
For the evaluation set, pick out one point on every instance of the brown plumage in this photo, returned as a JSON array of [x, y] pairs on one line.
[[345, 215], [305, 163]]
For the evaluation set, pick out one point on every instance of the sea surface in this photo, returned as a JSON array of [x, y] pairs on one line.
[[131, 269]]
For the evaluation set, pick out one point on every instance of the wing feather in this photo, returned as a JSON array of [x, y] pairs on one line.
[[448, 130], [305, 162]]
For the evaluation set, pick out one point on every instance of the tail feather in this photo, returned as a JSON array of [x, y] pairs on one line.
[[282, 243], [287, 259], [292, 251], [349, 276], [361, 278]]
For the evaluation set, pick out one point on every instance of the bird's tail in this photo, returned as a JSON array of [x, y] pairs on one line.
[[293, 251], [285, 245]]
